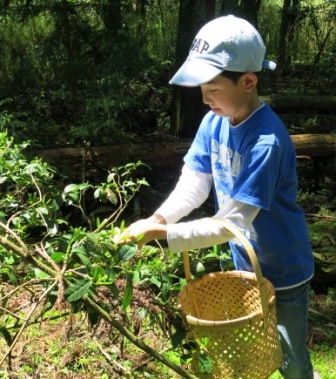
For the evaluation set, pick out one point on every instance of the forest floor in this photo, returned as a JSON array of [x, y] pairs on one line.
[[64, 345]]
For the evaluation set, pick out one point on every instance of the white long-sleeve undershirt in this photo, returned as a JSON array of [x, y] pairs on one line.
[[191, 191]]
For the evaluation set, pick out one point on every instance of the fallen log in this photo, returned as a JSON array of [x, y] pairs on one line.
[[315, 145], [301, 104], [166, 153]]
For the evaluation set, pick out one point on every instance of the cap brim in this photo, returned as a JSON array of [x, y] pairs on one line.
[[194, 73]]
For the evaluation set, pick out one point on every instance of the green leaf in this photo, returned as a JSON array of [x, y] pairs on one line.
[[177, 338], [112, 197], [104, 276], [52, 228], [111, 274], [10, 260], [143, 182], [155, 281], [200, 267], [42, 210], [70, 188], [111, 177], [12, 277], [127, 252], [114, 290], [57, 257], [185, 358], [39, 274], [205, 363], [98, 273], [85, 260], [165, 290], [3, 179], [2, 216], [128, 292], [77, 290], [97, 193]]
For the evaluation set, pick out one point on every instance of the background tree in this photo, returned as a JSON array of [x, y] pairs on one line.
[[188, 108], [290, 13], [248, 9], [92, 72]]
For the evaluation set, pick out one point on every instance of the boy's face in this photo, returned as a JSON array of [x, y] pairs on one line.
[[229, 99]]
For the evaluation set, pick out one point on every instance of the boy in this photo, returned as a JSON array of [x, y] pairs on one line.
[[244, 151]]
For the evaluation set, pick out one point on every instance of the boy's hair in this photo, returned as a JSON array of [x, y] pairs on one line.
[[232, 75], [235, 76]]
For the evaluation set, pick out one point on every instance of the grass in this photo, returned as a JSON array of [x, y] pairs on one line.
[[324, 362], [68, 347]]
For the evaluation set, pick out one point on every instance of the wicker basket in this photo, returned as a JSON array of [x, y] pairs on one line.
[[231, 318]]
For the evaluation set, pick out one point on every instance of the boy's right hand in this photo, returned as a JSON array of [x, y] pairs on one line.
[[143, 231]]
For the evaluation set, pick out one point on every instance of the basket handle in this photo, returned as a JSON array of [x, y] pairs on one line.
[[252, 256]]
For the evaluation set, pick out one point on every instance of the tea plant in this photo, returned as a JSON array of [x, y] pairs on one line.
[[60, 264]]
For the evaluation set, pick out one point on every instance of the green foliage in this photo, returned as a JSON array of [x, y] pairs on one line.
[[85, 72], [23, 207], [95, 73], [31, 212], [63, 262]]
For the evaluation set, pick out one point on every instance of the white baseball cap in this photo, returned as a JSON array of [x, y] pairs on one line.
[[226, 43]]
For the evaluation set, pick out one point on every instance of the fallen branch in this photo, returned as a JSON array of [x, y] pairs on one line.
[[111, 360], [29, 258], [137, 342], [315, 215], [18, 334]]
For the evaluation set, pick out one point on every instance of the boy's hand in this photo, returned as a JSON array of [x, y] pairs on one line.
[[143, 231]]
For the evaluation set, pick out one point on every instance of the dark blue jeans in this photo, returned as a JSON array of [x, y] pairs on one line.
[[292, 314]]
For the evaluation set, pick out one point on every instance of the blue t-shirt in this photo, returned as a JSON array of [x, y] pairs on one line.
[[255, 163]]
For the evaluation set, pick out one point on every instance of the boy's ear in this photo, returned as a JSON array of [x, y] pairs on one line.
[[250, 81]]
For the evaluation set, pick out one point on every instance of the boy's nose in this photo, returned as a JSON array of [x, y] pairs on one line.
[[206, 99]]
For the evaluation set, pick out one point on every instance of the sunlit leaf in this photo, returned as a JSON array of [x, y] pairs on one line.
[[112, 197], [42, 210], [39, 274], [9, 260], [70, 188], [155, 281], [57, 257], [200, 267]]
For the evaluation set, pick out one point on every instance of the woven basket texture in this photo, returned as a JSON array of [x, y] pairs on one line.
[[242, 342]]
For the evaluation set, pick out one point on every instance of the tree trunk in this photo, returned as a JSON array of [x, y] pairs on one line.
[[247, 9], [64, 11], [250, 11], [290, 13], [301, 104], [111, 14], [229, 7], [187, 107]]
